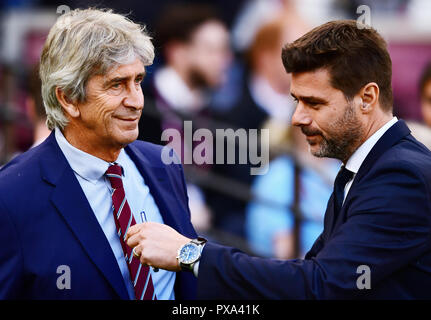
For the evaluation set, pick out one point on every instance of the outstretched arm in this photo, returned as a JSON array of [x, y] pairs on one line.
[[388, 227]]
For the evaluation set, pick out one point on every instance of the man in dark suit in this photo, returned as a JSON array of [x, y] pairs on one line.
[[66, 205], [376, 242]]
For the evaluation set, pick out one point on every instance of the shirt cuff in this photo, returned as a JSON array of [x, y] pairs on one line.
[[196, 265], [196, 268]]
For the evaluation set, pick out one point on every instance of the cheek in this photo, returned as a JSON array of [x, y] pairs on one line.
[[99, 113], [107, 104], [332, 119], [200, 64], [206, 61], [323, 120]]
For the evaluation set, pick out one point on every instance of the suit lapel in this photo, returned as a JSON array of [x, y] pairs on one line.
[[329, 218], [394, 134], [164, 189], [71, 203], [161, 189]]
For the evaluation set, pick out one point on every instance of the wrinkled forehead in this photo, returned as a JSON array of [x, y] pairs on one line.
[[132, 69], [118, 73]]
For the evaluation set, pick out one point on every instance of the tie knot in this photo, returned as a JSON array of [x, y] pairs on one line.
[[343, 176], [114, 175]]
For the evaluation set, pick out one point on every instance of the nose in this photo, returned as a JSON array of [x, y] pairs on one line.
[[301, 117], [134, 97]]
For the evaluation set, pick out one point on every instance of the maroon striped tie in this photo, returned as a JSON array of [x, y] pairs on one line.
[[139, 273]]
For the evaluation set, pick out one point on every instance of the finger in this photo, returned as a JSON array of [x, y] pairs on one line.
[[133, 241], [142, 259], [133, 230], [136, 252]]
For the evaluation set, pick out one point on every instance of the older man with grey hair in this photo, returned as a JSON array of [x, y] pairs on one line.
[[67, 204]]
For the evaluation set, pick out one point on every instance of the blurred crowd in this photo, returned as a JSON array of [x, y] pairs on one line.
[[218, 64]]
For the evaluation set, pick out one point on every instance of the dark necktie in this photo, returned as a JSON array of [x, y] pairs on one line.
[[139, 274], [341, 180]]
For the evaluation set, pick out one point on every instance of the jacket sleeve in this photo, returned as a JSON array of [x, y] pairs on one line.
[[387, 228], [10, 257]]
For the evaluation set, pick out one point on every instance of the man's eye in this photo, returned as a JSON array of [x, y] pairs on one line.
[[313, 105], [116, 85]]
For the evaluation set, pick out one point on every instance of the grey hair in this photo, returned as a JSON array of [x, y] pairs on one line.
[[83, 43]]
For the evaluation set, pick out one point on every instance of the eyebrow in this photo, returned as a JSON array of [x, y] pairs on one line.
[[310, 99], [122, 79]]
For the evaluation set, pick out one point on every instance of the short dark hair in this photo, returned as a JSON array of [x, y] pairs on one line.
[[425, 78], [353, 56], [178, 22]]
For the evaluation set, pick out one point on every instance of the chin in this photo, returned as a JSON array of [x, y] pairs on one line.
[[316, 151], [127, 137], [313, 148]]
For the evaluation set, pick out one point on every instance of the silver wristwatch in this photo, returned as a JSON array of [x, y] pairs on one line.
[[190, 253]]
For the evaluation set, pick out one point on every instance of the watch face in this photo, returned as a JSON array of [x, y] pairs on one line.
[[189, 253]]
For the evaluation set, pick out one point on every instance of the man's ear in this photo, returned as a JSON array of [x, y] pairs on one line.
[[370, 97], [69, 107]]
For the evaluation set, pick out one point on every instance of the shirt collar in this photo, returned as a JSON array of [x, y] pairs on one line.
[[84, 164], [175, 91], [355, 161]]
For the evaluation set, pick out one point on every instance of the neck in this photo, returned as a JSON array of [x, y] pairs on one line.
[[375, 125], [91, 144], [41, 131], [372, 127]]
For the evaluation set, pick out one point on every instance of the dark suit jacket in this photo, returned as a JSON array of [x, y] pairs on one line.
[[46, 221], [385, 224]]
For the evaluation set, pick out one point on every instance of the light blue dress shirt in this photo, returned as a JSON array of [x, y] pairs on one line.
[[90, 170]]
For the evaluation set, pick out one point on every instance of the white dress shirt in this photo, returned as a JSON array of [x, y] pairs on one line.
[[90, 170], [358, 157]]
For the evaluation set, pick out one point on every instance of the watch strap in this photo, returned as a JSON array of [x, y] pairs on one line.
[[199, 241]]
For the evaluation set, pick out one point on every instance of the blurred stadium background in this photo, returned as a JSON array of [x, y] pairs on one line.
[[218, 64]]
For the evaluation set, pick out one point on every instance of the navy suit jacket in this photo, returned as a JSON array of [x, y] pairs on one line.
[[46, 221], [384, 224]]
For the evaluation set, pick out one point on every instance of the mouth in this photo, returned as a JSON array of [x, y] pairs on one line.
[[128, 119], [310, 134], [312, 139]]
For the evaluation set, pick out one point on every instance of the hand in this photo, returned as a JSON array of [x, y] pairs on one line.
[[157, 244]]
